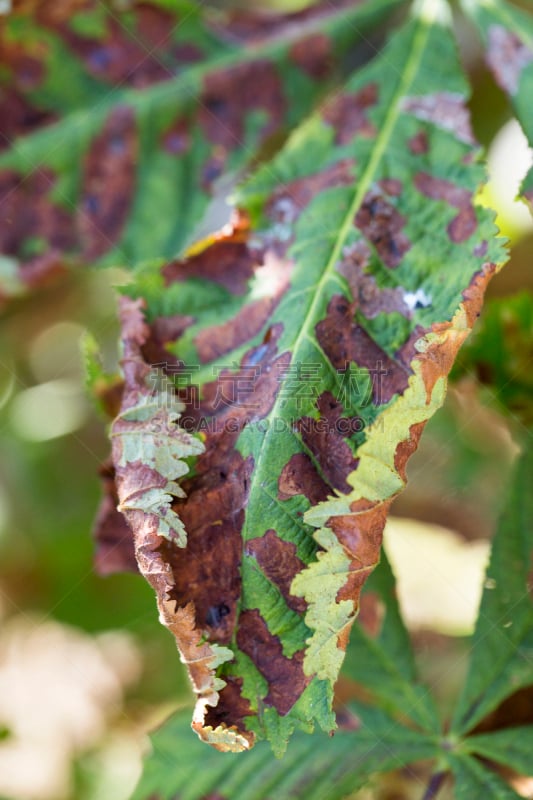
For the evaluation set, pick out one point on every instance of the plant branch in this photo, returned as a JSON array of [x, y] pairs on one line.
[[434, 785]]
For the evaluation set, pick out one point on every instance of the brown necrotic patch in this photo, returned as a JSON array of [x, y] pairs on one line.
[[313, 55], [279, 561], [391, 186], [165, 331], [232, 708], [19, 116], [237, 397], [419, 143], [289, 200], [371, 614], [115, 551], [139, 58], [370, 299], [108, 183], [464, 224], [507, 57], [228, 262], [446, 110], [285, 676], [28, 213], [176, 139], [344, 341], [405, 449], [382, 224], [217, 340], [24, 71], [300, 477], [360, 534], [230, 95], [480, 250], [213, 342], [207, 570], [348, 114], [325, 438], [438, 359]]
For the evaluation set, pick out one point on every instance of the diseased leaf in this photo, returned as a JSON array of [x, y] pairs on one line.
[[276, 334], [379, 655], [109, 112], [511, 747], [473, 781], [500, 353], [148, 448], [313, 767], [508, 37], [502, 645]]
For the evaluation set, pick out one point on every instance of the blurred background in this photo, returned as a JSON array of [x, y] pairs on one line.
[[85, 668]]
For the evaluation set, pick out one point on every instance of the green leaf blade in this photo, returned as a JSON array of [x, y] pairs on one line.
[[313, 766], [379, 656], [503, 639], [511, 747], [473, 781]]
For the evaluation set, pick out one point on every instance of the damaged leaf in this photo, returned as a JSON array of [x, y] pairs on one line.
[[308, 342], [508, 38], [111, 111]]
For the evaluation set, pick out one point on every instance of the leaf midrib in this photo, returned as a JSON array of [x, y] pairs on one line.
[[420, 36]]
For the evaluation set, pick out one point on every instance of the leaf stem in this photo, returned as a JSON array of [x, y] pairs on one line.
[[435, 785]]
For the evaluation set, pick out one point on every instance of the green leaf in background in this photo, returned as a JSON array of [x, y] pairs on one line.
[[379, 655], [474, 782], [308, 401], [313, 767], [118, 123], [502, 644], [512, 747], [508, 37], [500, 354]]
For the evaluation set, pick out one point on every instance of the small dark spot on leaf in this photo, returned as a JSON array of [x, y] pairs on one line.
[[176, 139], [212, 169], [381, 223], [230, 94], [313, 55], [465, 223], [419, 143], [285, 676], [391, 186], [216, 614], [347, 114], [280, 563], [299, 476]]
